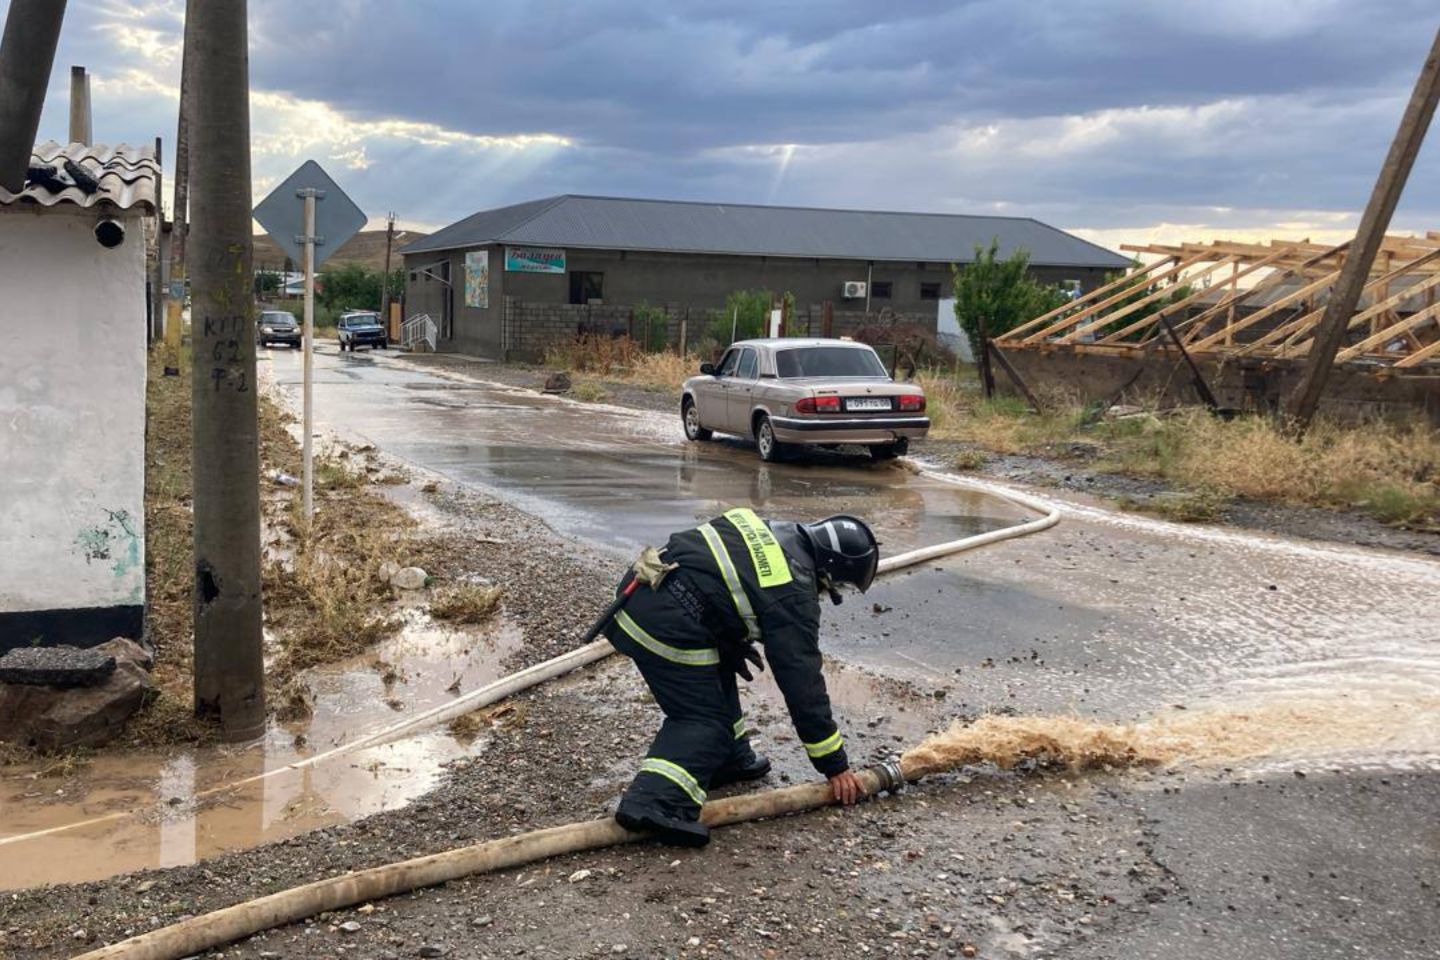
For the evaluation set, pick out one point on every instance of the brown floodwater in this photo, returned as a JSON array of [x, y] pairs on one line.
[[131, 811]]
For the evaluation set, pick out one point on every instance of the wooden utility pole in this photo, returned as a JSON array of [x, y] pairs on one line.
[[229, 666], [385, 283], [181, 218], [1330, 331], [27, 52], [982, 359]]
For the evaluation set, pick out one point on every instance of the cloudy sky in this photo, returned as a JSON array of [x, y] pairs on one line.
[[1120, 119]]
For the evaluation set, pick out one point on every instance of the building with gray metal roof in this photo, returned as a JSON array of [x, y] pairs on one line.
[[620, 223], [478, 277]]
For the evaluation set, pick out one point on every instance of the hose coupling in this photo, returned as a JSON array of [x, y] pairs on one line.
[[892, 778]]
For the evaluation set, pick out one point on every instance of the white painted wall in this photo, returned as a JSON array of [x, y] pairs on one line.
[[72, 413], [947, 329]]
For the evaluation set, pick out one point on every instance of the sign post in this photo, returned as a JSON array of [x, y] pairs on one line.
[[307, 459], [309, 233]]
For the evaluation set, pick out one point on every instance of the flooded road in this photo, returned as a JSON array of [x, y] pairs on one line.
[[1332, 652], [1108, 614], [608, 474]]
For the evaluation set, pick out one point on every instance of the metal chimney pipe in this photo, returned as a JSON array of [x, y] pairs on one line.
[[81, 130], [27, 52]]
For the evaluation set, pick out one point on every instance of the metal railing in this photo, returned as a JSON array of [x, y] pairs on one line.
[[418, 330]]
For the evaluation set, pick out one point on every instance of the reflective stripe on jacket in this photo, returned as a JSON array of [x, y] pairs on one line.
[[744, 580]]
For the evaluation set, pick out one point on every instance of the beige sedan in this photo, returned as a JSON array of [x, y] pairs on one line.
[[789, 392]]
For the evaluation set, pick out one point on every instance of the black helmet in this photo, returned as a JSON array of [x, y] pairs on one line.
[[845, 550]]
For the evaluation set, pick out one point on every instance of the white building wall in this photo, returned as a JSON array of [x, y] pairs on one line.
[[72, 417]]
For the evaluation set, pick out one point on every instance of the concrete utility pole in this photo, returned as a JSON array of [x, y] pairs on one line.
[[229, 667], [81, 129], [1330, 332], [27, 52], [181, 217], [161, 278]]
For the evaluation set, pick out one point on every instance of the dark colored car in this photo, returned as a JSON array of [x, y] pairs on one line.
[[277, 326], [361, 328]]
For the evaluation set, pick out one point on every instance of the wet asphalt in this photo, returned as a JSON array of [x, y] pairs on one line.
[[1107, 615]]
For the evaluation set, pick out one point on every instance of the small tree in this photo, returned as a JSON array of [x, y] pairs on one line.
[[651, 327], [994, 295], [267, 282], [352, 286], [748, 311]]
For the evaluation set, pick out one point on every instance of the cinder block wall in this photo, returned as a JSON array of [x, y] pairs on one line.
[[532, 327], [1352, 394]]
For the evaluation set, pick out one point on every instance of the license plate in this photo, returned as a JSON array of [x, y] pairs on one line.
[[867, 403]]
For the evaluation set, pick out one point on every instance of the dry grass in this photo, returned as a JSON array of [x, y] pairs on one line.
[[465, 603], [1389, 470], [593, 353], [327, 602], [1198, 506], [661, 371], [622, 360], [588, 391]]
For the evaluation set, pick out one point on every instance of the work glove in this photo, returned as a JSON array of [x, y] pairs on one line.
[[736, 655], [651, 568]]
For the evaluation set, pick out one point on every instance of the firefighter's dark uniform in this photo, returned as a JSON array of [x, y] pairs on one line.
[[739, 580]]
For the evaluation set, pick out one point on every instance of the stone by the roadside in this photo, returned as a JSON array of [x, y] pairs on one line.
[[433, 950], [351, 926], [557, 383], [145, 886], [409, 578], [56, 666], [55, 718]]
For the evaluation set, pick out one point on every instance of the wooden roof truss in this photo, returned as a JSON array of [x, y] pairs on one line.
[[1292, 279]]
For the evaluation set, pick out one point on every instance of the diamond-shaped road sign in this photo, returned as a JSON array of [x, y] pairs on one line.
[[282, 214]]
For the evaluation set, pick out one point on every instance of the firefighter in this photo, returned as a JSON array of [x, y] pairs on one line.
[[719, 594]]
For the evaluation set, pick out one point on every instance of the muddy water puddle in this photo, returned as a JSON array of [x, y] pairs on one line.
[[125, 812]]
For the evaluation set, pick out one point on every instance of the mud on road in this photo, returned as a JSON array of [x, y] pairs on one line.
[[1288, 860]]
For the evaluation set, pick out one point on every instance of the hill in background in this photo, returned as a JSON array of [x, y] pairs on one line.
[[366, 248]]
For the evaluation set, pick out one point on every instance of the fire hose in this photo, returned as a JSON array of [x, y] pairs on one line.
[[197, 934]]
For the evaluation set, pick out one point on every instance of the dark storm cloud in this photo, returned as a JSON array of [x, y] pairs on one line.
[[700, 74], [1098, 113]]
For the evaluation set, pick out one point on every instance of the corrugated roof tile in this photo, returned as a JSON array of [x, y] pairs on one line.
[[127, 176]]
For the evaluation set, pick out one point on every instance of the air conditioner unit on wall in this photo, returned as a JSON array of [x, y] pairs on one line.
[[854, 289]]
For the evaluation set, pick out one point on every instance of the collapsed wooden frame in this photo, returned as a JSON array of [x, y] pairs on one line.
[[1208, 293]]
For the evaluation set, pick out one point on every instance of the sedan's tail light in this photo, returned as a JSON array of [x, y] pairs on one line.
[[826, 404], [911, 402]]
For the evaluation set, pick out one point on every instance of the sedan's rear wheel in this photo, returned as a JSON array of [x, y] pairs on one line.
[[690, 415], [770, 449]]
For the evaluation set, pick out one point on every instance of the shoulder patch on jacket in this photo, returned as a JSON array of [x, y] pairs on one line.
[[771, 567]]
